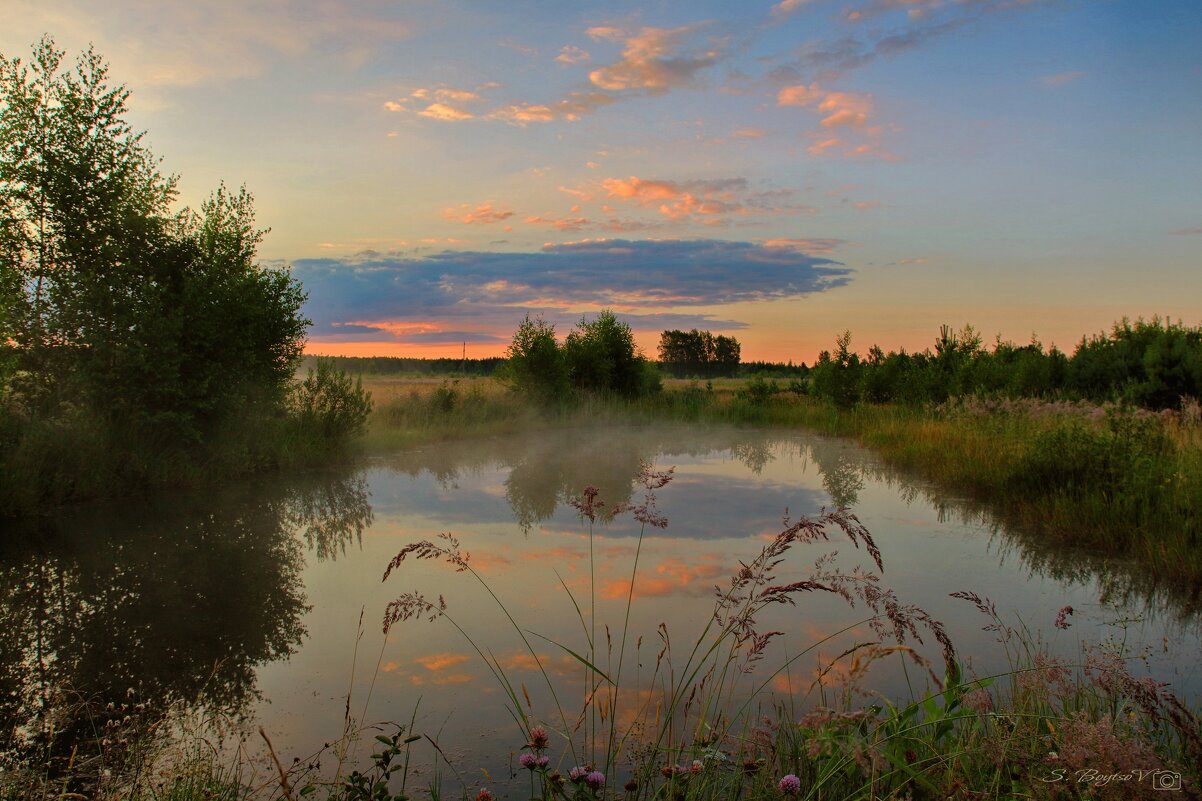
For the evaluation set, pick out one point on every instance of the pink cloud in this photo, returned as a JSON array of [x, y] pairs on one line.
[[566, 224], [800, 95], [806, 245], [710, 202], [484, 214], [441, 111], [1060, 79], [1193, 230], [571, 108], [841, 108], [655, 60], [787, 7], [570, 54]]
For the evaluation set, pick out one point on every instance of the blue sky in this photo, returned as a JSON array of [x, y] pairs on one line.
[[779, 171]]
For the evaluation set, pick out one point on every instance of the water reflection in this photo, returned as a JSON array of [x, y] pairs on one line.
[[116, 614], [199, 599]]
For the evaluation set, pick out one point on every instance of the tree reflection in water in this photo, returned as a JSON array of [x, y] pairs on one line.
[[117, 614]]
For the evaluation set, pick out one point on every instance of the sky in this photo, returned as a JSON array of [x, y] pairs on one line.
[[434, 170]]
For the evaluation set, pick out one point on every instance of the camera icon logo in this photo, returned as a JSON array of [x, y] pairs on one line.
[[1166, 780]]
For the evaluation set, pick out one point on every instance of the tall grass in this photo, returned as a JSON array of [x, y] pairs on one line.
[[693, 730]]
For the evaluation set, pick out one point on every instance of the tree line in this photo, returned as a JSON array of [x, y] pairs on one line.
[[1153, 363]]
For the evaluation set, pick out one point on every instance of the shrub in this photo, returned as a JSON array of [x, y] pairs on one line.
[[536, 365], [330, 404]]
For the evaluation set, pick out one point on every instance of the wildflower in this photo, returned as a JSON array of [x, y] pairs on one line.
[[577, 774], [979, 701], [790, 784], [484, 795], [696, 767], [528, 761], [596, 779], [631, 786], [542, 762], [587, 504], [1062, 617], [538, 738]]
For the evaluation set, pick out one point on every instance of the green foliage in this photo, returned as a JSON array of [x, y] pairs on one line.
[[598, 357], [536, 366], [157, 327], [330, 403], [698, 353], [602, 357], [837, 376], [1155, 365]]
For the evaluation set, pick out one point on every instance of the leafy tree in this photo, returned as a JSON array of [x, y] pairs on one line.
[[837, 376], [117, 313], [83, 206], [535, 363], [698, 353], [602, 357]]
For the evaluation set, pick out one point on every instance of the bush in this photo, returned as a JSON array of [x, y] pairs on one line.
[[536, 365], [330, 404]]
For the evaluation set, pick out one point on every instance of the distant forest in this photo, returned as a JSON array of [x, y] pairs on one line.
[[400, 365]]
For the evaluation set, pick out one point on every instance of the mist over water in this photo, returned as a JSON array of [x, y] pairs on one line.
[[248, 601]]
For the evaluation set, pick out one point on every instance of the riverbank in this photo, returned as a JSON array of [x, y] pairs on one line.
[[1118, 483]]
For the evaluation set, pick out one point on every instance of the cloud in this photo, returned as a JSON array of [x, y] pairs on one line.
[[655, 60], [786, 7], [446, 106], [1193, 230], [483, 214], [841, 109], [826, 61], [806, 245], [699, 201], [441, 111], [570, 54], [1060, 79], [458, 296], [571, 108], [606, 33], [562, 224]]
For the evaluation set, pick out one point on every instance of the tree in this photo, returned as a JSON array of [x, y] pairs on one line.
[[155, 322], [698, 353], [535, 363], [602, 357], [83, 206]]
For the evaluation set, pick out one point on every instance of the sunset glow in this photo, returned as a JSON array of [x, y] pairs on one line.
[[775, 171]]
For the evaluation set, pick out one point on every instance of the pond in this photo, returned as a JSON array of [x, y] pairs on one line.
[[263, 603]]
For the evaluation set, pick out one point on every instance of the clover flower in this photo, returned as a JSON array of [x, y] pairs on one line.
[[596, 779], [528, 761], [790, 784], [538, 738]]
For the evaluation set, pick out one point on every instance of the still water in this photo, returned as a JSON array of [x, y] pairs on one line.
[[263, 603]]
